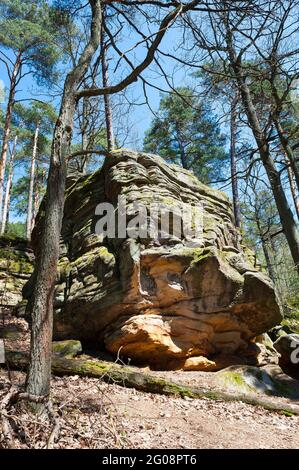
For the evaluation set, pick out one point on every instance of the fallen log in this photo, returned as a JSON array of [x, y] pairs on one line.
[[130, 377]]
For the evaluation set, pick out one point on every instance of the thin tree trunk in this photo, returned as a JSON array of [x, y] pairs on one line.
[[286, 216], [287, 149], [6, 130], [107, 99], [31, 185], [41, 303], [235, 189], [8, 187], [84, 133], [183, 156], [36, 198], [293, 188], [268, 260]]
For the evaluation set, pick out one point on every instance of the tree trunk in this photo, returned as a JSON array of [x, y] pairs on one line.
[[107, 99], [235, 189], [286, 216], [36, 198], [183, 156], [293, 188], [8, 187], [41, 303], [287, 149], [6, 130], [84, 133], [31, 185]]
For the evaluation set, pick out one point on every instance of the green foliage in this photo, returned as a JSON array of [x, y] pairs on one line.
[[16, 230], [19, 191], [187, 133], [25, 121], [26, 28]]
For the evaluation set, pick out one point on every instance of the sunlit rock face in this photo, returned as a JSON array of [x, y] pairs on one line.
[[157, 301]]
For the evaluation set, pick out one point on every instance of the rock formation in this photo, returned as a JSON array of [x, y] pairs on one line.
[[162, 301], [16, 266]]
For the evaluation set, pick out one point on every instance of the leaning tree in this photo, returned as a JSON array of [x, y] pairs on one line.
[[41, 302]]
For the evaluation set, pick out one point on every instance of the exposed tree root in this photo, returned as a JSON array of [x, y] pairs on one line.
[[129, 377], [15, 395]]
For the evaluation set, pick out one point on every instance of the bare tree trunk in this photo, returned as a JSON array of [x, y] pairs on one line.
[[286, 216], [6, 130], [287, 149], [235, 189], [41, 303], [31, 185], [293, 188], [8, 187], [268, 260], [36, 198], [84, 133], [183, 156], [107, 99]]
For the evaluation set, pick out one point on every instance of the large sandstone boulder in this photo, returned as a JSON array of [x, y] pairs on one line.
[[157, 301]]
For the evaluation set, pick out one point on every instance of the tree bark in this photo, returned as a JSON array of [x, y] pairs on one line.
[[235, 189], [41, 303], [6, 130], [31, 185], [107, 98], [84, 133], [293, 188], [183, 156], [287, 149], [36, 198], [8, 187]]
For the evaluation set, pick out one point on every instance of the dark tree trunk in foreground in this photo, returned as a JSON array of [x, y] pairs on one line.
[[235, 190], [39, 373], [41, 303]]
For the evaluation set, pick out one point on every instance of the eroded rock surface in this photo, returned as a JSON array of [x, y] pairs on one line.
[[157, 301], [16, 266]]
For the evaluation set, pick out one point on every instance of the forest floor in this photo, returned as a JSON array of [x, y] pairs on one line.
[[93, 414]]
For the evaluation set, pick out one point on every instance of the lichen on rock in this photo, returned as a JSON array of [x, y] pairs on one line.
[[157, 301], [16, 266]]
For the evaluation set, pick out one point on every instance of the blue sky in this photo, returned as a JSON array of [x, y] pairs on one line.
[[140, 115]]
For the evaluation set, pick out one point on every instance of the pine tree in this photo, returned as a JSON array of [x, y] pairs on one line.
[[186, 133], [27, 47]]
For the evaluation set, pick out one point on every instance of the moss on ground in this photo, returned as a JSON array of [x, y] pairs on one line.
[[127, 376]]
